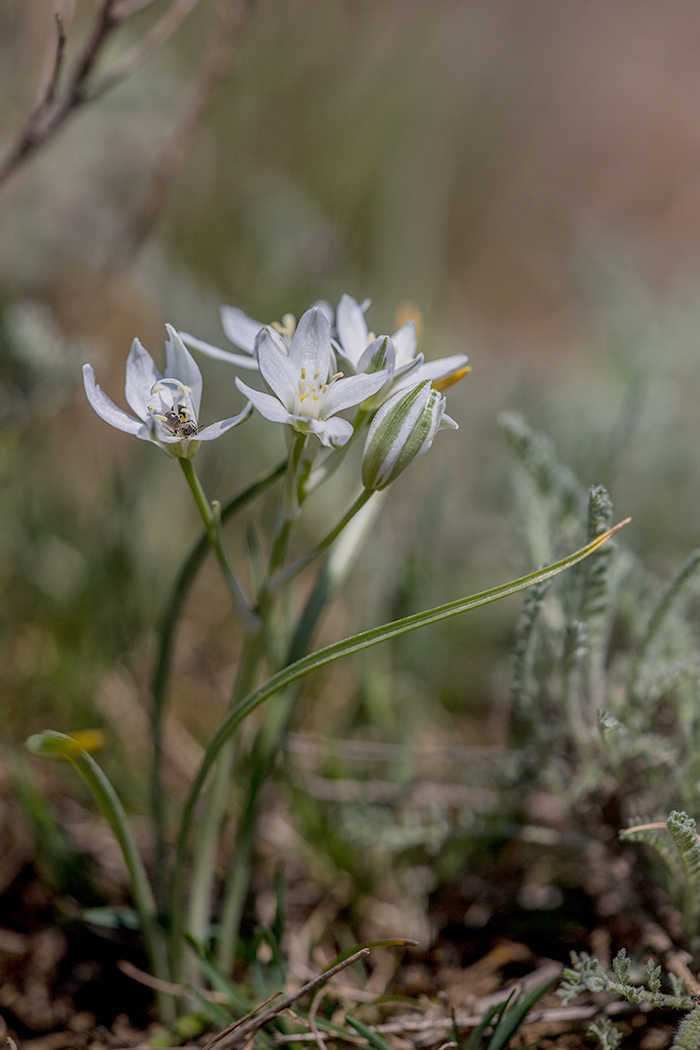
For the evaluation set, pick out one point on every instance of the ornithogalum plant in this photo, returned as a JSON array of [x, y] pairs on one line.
[[328, 381]]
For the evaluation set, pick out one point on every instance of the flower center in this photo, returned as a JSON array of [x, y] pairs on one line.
[[173, 408], [310, 393]]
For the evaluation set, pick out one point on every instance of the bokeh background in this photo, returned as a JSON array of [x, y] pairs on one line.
[[523, 177]]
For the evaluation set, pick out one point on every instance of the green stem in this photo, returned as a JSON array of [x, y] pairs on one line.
[[161, 671], [322, 657], [310, 557], [290, 495], [52, 745], [212, 523], [202, 884]]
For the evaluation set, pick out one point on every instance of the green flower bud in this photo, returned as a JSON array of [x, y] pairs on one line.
[[402, 430]]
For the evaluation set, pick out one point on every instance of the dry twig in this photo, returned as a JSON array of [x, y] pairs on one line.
[[55, 106], [241, 1030]]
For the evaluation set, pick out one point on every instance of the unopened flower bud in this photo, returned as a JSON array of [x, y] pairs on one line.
[[402, 430]]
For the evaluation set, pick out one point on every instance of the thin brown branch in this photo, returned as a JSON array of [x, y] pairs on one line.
[[240, 1032], [52, 111], [56, 107], [52, 86], [150, 43]]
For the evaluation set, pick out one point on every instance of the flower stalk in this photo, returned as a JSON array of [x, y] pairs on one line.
[[211, 516]]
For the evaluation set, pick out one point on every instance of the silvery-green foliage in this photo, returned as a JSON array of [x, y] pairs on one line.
[[688, 1034], [588, 974], [680, 851], [605, 684], [604, 1032]]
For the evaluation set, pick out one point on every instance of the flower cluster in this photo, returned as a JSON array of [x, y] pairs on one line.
[[166, 406], [326, 364]]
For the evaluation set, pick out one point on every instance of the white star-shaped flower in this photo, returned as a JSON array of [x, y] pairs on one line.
[[357, 344], [166, 406], [307, 393]]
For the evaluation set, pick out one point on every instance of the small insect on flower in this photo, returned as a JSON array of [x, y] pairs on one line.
[[166, 406], [179, 422]]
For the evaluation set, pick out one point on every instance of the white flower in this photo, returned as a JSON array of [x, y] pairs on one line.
[[402, 430], [307, 394], [356, 340], [359, 350], [166, 407], [243, 332]]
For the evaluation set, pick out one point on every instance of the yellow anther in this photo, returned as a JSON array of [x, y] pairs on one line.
[[303, 373]]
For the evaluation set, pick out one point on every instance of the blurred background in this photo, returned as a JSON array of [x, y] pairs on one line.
[[524, 178]]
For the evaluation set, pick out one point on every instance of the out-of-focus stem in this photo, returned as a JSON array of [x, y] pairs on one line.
[[163, 664]]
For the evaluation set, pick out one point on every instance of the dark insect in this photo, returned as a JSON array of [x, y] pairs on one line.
[[178, 423]]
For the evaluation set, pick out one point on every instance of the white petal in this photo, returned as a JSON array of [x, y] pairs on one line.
[[267, 406], [215, 430], [409, 367], [240, 360], [406, 342], [440, 368], [276, 369], [110, 412], [327, 310], [179, 364], [141, 375], [333, 433], [311, 345], [239, 328], [352, 328], [385, 360], [344, 393]]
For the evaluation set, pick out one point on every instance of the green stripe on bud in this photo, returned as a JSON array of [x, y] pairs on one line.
[[402, 430]]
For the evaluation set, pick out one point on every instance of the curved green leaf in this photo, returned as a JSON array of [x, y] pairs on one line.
[[356, 643]]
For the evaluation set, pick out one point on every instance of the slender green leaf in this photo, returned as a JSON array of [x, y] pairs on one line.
[[514, 1016], [356, 643]]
